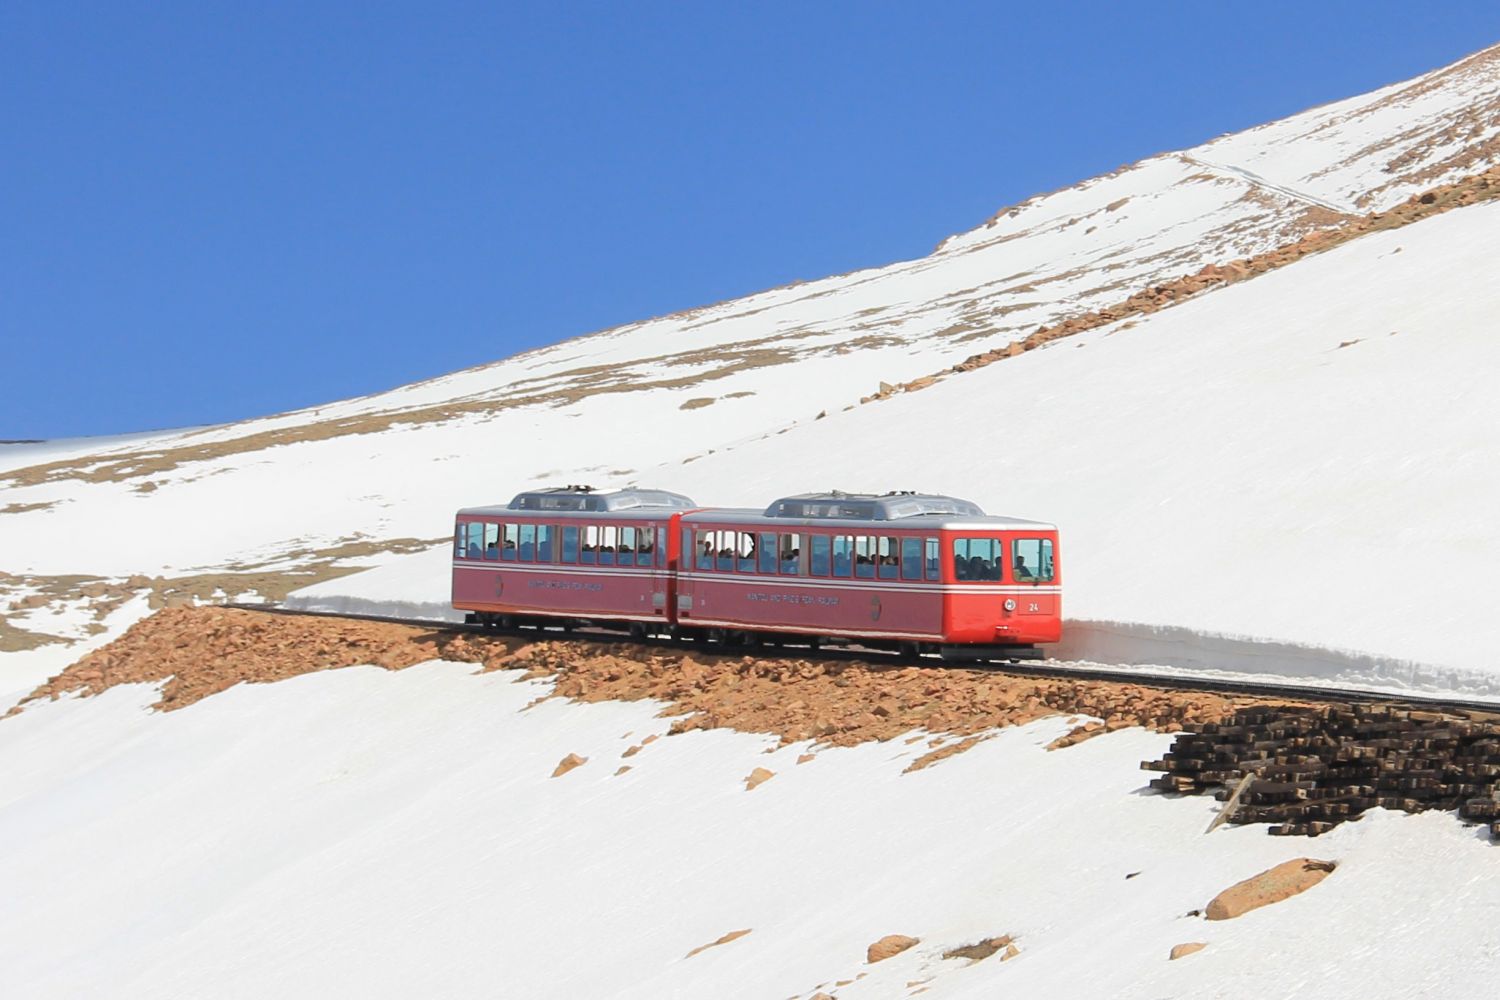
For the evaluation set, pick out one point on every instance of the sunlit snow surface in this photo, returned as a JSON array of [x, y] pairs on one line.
[[364, 833]]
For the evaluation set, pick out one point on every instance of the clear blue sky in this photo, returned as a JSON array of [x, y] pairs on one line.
[[214, 211]]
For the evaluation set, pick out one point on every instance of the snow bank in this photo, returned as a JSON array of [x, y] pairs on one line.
[[410, 586]]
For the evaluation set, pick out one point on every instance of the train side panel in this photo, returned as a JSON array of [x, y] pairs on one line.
[[568, 577]]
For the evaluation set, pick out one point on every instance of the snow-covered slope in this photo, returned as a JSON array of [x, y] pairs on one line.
[[1298, 458], [380, 834]]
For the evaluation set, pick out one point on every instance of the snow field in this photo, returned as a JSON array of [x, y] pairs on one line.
[[361, 832]]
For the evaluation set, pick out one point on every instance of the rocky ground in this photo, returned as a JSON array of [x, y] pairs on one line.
[[195, 652]]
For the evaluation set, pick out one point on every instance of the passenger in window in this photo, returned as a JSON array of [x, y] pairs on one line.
[[1022, 572], [492, 551]]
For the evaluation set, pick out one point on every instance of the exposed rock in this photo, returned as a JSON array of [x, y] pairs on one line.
[[1180, 950], [567, 764], [758, 777], [1011, 951], [731, 936], [806, 758], [891, 944], [1284, 881], [622, 770]]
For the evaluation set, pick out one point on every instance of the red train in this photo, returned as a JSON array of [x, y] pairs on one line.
[[914, 572]]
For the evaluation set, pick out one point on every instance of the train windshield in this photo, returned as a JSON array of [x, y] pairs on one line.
[[978, 560], [1033, 563]]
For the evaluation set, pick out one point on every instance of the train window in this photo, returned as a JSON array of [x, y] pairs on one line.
[[528, 543], [1033, 560], [864, 556], [544, 534], [745, 552], [932, 559], [791, 555], [510, 534], [818, 564], [588, 552], [570, 544], [703, 550], [765, 552], [492, 541], [978, 560], [458, 539], [911, 558], [890, 561], [625, 553], [661, 548], [476, 539], [724, 551], [843, 556], [608, 539]]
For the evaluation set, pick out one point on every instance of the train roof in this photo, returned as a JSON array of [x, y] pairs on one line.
[[587, 500], [751, 516], [865, 510], [870, 506]]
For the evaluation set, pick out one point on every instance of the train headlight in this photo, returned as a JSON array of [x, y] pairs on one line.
[[1010, 604]]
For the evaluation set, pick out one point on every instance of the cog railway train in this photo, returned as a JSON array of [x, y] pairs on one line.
[[913, 572]]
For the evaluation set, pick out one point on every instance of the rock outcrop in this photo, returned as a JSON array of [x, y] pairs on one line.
[[891, 944], [568, 763], [1272, 886]]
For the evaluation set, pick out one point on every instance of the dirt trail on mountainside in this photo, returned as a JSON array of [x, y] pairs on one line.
[[198, 652]]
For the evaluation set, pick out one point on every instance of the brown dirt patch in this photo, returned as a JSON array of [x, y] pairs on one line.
[[198, 652], [980, 950], [26, 508]]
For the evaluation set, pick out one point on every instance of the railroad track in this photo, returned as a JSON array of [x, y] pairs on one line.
[[1031, 668]]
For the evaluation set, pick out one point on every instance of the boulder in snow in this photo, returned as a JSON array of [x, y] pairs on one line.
[[1285, 880]]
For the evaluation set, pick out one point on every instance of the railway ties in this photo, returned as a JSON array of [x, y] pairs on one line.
[[1311, 768]]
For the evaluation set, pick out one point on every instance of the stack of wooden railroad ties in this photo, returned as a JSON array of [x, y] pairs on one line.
[[1305, 769]]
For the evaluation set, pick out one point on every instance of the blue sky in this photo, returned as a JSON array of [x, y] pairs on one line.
[[215, 211]]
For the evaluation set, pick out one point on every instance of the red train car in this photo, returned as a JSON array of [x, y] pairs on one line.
[[570, 554], [917, 572], [914, 572]]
